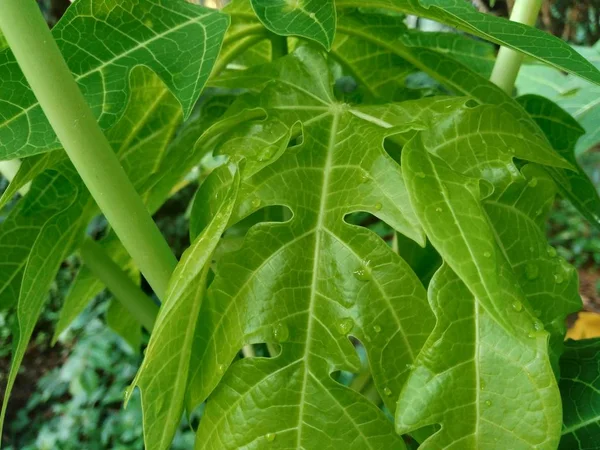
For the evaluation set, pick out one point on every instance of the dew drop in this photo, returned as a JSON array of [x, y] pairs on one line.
[[363, 273], [128, 392], [420, 174], [312, 15], [438, 209], [533, 182], [517, 306], [266, 154], [364, 177], [270, 437], [387, 391], [558, 278], [344, 326], [377, 328], [281, 333], [538, 325], [532, 271], [256, 202], [551, 251], [378, 206], [487, 254], [221, 369], [488, 403]]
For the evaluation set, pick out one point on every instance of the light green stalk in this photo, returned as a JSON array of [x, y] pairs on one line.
[[509, 61], [71, 118], [119, 284]]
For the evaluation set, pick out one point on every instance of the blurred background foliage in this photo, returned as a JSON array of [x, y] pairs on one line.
[[70, 396]]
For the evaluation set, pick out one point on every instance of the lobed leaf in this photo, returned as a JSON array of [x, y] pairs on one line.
[[162, 378], [462, 15], [311, 19], [308, 283], [102, 42]]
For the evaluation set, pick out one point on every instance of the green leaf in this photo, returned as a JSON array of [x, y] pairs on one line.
[[162, 378], [487, 359], [56, 239], [579, 386], [176, 40], [311, 19], [308, 283], [462, 15], [578, 97], [563, 132]]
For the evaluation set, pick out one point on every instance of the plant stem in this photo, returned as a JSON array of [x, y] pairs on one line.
[[71, 118], [119, 284], [508, 62], [279, 46]]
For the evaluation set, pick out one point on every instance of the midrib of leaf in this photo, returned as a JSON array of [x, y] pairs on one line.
[[313, 292]]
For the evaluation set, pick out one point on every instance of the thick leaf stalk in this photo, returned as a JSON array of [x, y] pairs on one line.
[[119, 283], [71, 118], [509, 61]]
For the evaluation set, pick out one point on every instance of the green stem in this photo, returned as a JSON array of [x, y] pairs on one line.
[[71, 118], [119, 284], [509, 61]]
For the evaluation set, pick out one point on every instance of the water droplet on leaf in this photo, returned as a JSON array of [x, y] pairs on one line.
[[558, 278], [387, 391], [517, 306], [438, 209], [256, 202], [344, 326], [312, 15], [363, 273], [488, 403], [377, 328], [221, 369], [281, 333], [420, 174], [487, 254], [270, 437], [378, 206], [538, 325], [266, 154], [364, 177], [533, 182]]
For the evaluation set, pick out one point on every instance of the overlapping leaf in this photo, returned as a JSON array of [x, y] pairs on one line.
[[462, 15], [163, 376], [102, 42], [487, 358], [308, 283], [579, 386], [311, 19], [578, 97]]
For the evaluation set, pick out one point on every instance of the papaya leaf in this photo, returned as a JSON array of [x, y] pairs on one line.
[[177, 40], [311, 19], [563, 131], [462, 15], [308, 283], [579, 387], [55, 240], [485, 323], [162, 378]]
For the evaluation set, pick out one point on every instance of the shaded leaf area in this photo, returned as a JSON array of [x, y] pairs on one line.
[[579, 386], [310, 282], [563, 131], [311, 19], [576, 96], [102, 42], [48, 223], [162, 378], [462, 15]]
